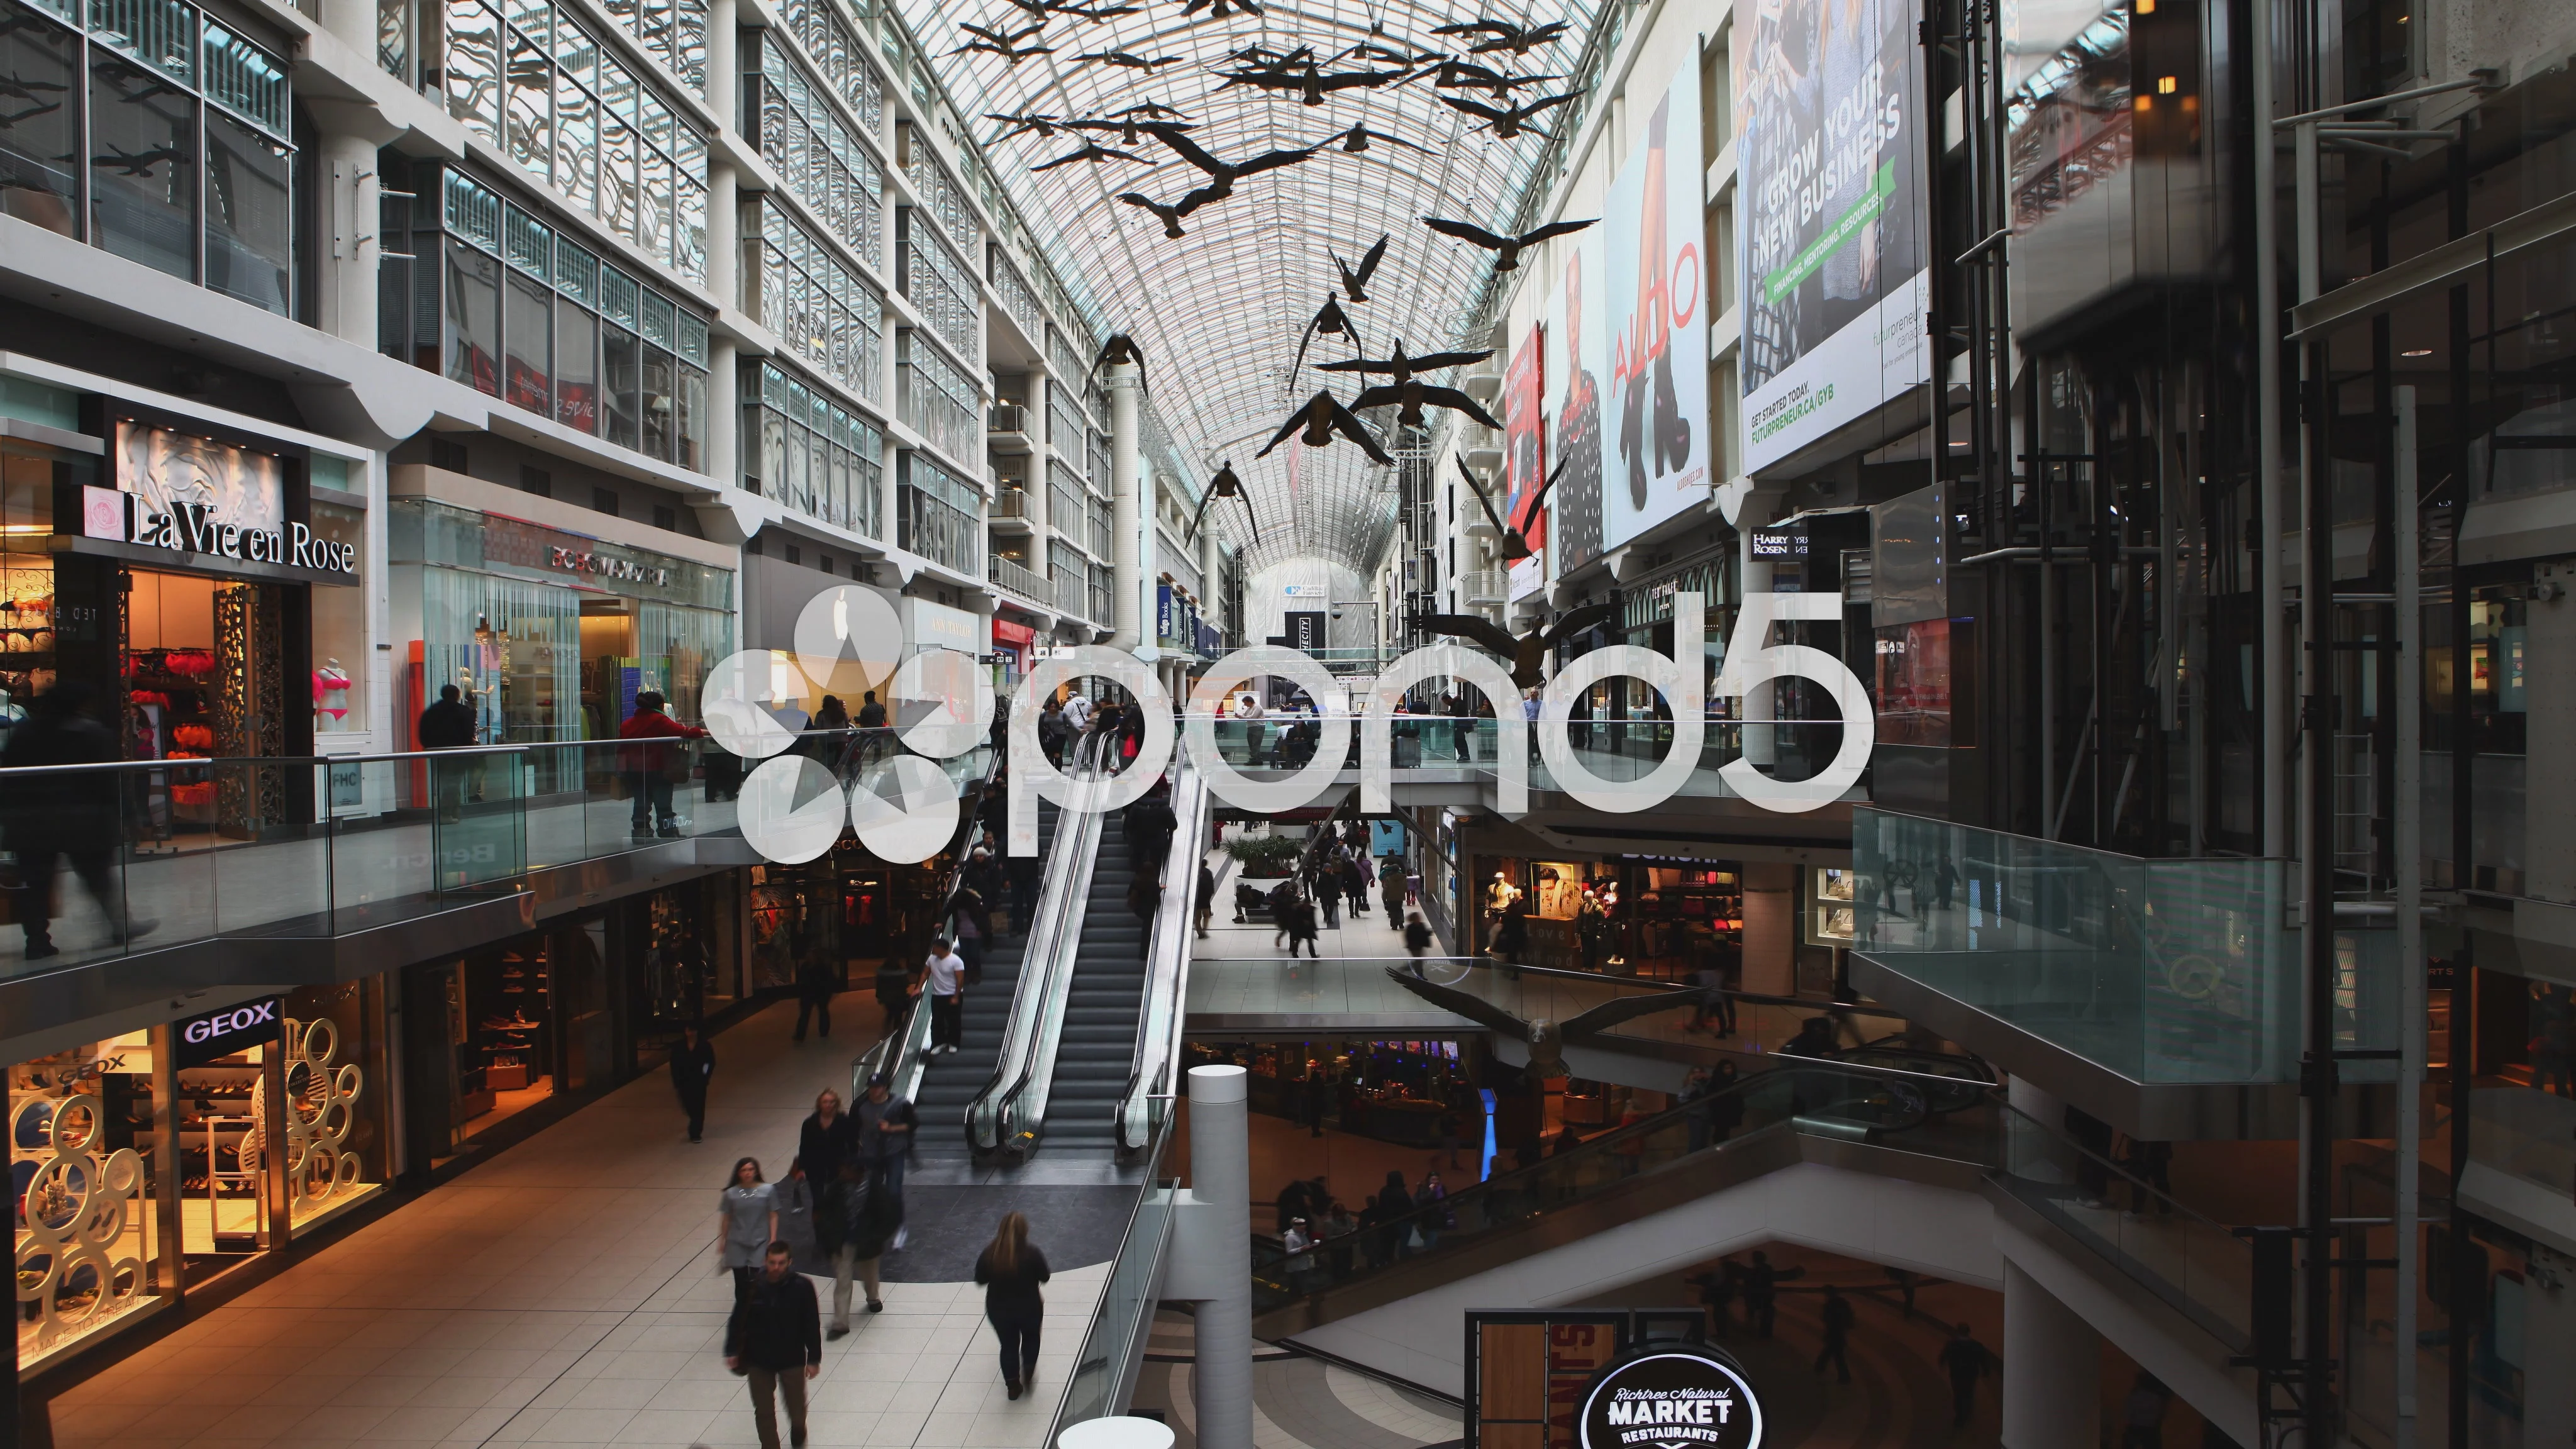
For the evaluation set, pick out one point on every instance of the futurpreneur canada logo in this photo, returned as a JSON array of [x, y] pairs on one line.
[[904, 807]]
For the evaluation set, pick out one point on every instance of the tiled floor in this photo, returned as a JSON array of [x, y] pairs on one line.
[[566, 1293], [1297, 1402]]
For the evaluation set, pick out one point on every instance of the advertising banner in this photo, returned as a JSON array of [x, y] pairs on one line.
[[1654, 449], [1833, 285], [1525, 456], [1577, 343]]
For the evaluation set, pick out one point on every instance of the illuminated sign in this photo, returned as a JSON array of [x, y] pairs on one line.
[[217, 1034], [1678, 1396], [606, 566], [193, 495], [1779, 543]]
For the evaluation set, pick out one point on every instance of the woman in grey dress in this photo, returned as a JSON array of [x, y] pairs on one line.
[[746, 1223]]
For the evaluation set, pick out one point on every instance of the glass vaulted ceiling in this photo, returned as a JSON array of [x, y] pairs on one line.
[[1219, 312]]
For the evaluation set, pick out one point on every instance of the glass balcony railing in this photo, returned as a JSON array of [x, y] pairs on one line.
[[1614, 752], [165, 852], [1935, 1116], [2162, 970], [2527, 1133], [1127, 1301]]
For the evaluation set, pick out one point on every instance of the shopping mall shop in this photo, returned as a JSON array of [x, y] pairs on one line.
[[176, 1159], [1769, 928], [201, 585]]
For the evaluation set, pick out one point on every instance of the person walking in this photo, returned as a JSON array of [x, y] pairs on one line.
[[1024, 874], [1283, 913], [75, 815], [852, 1226], [746, 1223], [1725, 1105], [1301, 927], [1337, 1228], [814, 990], [826, 1138], [1394, 1205], [775, 1340], [1762, 1292], [1417, 940], [1328, 893], [1294, 1259], [942, 979], [1010, 1271], [1838, 1327], [648, 765], [1432, 1200], [795, 1192], [446, 725], [1964, 1361], [1390, 890], [966, 930], [1207, 898], [883, 1126], [693, 1065]]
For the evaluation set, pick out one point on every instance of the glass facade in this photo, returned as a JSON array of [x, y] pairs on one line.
[[89, 1165], [820, 307], [1065, 432], [504, 303], [837, 51], [1014, 294], [544, 630], [941, 517], [162, 138], [941, 288], [820, 155], [570, 113], [810, 453], [938, 400], [940, 193]]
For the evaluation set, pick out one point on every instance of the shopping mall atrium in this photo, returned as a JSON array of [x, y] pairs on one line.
[[578, 576]]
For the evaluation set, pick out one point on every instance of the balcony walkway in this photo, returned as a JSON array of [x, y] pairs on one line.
[[566, 1293]]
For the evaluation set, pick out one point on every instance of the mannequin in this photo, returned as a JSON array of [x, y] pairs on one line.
[[330, 696]]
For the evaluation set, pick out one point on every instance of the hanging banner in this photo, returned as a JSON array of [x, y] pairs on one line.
[[1654, 448], [1833, 281], [1525, 461], [1578, 362]]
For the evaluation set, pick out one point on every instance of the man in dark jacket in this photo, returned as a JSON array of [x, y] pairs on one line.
[[814, 988], [449, 725], [73, 815], [648, 766], [775, 1339], [853, 1225], [693, 1063], [873, 739]]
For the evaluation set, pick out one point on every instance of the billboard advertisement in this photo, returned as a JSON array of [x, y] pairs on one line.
[[1833, 282], [1525, 461], [1577, 345], [1654, 445]]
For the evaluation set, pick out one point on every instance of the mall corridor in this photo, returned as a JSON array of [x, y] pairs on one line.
[[566, 1293]]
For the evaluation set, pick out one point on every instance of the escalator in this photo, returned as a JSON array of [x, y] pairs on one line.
[[1095, 1052], [947, 1084]]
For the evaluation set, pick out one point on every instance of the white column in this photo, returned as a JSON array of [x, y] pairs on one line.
[[1770, 928], [1126, 564], [2052, 1364], [1759, 505], [1221, 1178]]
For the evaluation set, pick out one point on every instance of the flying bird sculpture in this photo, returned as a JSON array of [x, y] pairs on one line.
[[1516, 545], [1507, 249], [1126, 61], [1023, 122], [1506, 123], [1131, 122], [1407, 392], [1094, 152], [1225, 485], [1329, 321], [1219, 9], [1503, 35], [1355, 279], [1322, 416], [1527, 653], [1357, 139], [1006, 45], [1221, 174], [1311, 81]]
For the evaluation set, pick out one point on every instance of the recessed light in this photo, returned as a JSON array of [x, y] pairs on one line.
[[2417, 352]]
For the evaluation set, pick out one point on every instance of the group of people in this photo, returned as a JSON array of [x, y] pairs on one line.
[[1062, 724], [1395, 1223], [835, 1214]]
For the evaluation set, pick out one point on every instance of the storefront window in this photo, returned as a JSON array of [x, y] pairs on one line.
[[86, 1164], [1914, 683], [225, 1136], [337, 1138], [340, 651]]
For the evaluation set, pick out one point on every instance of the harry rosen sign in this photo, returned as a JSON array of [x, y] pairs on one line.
[[849, 641]]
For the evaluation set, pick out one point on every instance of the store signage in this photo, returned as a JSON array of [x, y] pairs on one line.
[[1305, 591], [1779, 542], [198, 528], [217, 1034], [607, 566], [1678, 1396]]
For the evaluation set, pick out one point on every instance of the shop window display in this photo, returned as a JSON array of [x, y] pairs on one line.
[[84, 1171], [335, 1091], [223, 1129], [690, 965]]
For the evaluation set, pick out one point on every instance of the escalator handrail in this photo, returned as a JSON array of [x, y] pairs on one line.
[[998, 1119], [1144, 1102], [1611, 1142], [902, 1057]]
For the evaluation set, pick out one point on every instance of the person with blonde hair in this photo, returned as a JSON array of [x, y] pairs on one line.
[[1010, 1271]]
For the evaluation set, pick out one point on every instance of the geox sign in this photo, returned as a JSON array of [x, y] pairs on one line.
[[219, 1034]]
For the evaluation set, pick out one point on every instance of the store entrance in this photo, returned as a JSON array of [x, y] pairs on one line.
[[611, 674]]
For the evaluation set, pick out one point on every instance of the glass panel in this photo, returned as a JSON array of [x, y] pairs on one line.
[[473, 68], [576, 272], [527, 243], [653, 216], [618, 297], [531, 120], [576, 367], [658, 403], [250, 216], [691, 431], [473, 318], [473, 212], [160, 33], [622, 366], [143, 167], [576, 143], [393, 38], [40, 135], [617, 196], [528, 327], [338, 1129], [246, 78]]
